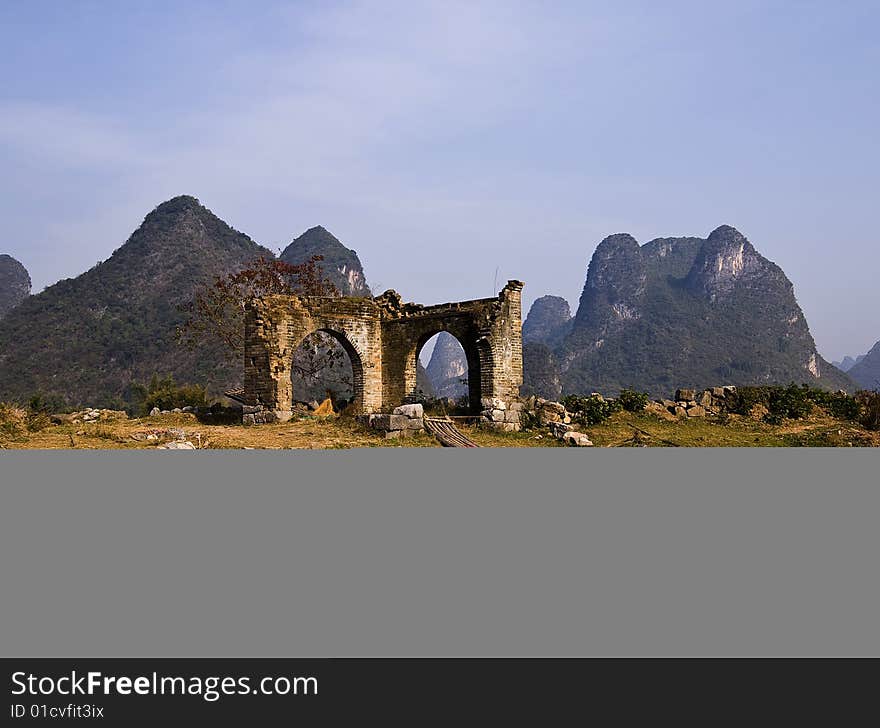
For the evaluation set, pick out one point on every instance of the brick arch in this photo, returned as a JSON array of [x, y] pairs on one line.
[[468, 339], [382, 337], [355, 357]]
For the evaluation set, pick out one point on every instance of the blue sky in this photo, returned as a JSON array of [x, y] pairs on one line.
[[454, 145]]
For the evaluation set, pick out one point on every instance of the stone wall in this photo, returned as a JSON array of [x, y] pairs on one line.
[[404, 421], [690, 403], [383, 337]]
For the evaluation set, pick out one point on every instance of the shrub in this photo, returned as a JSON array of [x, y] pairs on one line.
[[591, 410], [791, 402], [48, 403], [633, 401], [16, 420], [869, 406], [748, 397], [165, 394], [13, 420], [837, 404]]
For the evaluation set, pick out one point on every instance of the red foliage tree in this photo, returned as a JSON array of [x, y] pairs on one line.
[[218, 309]]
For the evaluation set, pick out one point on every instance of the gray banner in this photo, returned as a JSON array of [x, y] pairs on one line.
[[440, 552]]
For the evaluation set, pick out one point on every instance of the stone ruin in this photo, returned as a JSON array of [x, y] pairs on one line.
[[691, 403], [382, 337]]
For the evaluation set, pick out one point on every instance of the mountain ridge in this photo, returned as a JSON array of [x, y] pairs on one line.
[[15, 283], [341, 264], [681, 312]]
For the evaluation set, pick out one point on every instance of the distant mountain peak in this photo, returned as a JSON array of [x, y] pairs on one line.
[[115, 323], [448, 369], [866, 369], [548, 321], [15, 283], [725, 258], [683, 312], [340, 264]]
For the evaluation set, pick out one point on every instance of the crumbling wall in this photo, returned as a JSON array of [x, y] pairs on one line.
[[383, 337]]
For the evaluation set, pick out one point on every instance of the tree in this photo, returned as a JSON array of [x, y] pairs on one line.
[[218, 309]]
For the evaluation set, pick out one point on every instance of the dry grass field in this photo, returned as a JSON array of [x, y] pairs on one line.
[[623, 429]]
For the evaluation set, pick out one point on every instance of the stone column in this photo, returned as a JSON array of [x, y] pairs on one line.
[[502, 361]]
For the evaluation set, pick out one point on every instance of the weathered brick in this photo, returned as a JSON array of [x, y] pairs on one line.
[[382, 337]]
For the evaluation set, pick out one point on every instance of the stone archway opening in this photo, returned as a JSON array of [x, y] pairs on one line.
[[323, 365], [383, 337], [445, 362]]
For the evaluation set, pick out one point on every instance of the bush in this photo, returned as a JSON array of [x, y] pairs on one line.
[[591, 410], [48, 403], [793, 402], [633, 401], [837, 404], [165, 394], [869, 407], [748, 397], [13, 421]]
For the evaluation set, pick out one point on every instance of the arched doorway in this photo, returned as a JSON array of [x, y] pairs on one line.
[[325, 364], [446, 367], [453, 371]]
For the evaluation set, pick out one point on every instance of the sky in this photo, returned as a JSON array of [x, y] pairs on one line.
[[455, 145]]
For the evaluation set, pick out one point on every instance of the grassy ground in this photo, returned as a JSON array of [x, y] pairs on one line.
[[634, 430], [621, 430]]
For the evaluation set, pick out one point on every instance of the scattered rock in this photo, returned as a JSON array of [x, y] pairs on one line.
[[559, 429], [185, 445], [658, 409], [155, 412], [576, 439], [410, 410]]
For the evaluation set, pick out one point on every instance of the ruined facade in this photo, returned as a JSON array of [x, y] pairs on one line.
[[383, 337]]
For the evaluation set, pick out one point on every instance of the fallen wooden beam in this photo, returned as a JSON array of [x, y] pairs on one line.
[[447, 434]]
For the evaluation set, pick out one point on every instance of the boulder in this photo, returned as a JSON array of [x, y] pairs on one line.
[[696, 411], [684, 394], [576, 439], [659, 410], [177, 446], [410, 410], [559, 429]]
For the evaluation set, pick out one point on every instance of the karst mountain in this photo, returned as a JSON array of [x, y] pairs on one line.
[[866, 369], [87, 340], [15, 284], [341, 265], [676, 312]]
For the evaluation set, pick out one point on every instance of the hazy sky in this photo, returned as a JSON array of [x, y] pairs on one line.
[[455, 145]]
